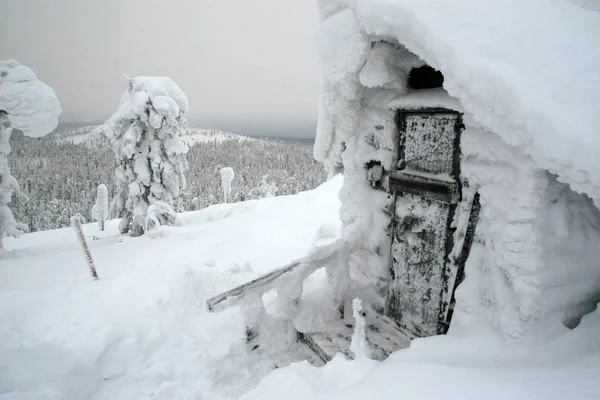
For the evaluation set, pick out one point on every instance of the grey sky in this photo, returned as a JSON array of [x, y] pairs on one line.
[[246, 65]]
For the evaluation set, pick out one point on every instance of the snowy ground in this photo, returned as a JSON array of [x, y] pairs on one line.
[[142, 330], [474, 367]]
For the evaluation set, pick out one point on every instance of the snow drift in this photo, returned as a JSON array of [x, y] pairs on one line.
[[142, 330]]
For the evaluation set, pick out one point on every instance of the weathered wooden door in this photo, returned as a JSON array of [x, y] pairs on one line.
[[427, 187]]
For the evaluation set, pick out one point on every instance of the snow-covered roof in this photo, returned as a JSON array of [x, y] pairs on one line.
[[31, 105], [527, 70]]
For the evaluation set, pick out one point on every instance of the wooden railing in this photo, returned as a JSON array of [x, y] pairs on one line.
[[288, 282]]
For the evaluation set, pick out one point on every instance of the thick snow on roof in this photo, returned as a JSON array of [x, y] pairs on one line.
[[31, 105], [528, 71]]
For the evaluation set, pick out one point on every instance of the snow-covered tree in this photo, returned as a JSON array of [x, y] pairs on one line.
[[265, 188], [227, 176], [100, 209], [160, 213], [29, 105], [151, 157]]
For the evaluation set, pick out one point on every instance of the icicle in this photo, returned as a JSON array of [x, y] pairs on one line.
[[359, 345]]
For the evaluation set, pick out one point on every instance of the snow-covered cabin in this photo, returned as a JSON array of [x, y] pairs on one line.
[[468, 133], [502, 100]]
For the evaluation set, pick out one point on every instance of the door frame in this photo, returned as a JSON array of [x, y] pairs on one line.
[[446, 297]]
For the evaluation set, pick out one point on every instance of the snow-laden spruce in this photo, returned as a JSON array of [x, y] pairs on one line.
[[145, 136], [29, 105], [100, 209], [227, 176]]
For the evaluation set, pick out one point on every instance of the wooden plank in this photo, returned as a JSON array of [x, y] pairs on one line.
[[428, 191], [425, 185], [327, 345], [429, 140], [383, 337], [418, 264], [318, 258], [462, 260], [262, 283]]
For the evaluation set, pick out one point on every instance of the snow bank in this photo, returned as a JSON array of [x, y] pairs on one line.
[[448, 367], [31, 105], [142, 330]]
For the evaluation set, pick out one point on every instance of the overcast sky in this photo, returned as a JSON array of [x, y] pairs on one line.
[[245, 65]]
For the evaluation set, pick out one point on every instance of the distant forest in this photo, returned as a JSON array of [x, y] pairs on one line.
[[59, 177]]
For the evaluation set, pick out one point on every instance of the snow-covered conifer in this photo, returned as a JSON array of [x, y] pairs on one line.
[[151, 157], [266, 189], [100, 209], [29, 105], [227, 176], [160, 213]]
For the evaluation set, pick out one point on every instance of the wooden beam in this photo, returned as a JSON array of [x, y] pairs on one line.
[[316, 259], [461, 261], [382, 334], [425, 185], [224, 299]]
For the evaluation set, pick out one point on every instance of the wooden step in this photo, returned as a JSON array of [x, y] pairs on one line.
[[383, 336]]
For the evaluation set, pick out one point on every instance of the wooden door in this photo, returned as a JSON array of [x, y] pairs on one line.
[[427, 188]]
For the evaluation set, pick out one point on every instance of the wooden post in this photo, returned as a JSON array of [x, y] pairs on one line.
[[76, 224]]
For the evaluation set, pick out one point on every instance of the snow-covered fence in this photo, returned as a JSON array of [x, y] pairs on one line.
[[76, 223], [288, 282], [100, 209], [227, 176]]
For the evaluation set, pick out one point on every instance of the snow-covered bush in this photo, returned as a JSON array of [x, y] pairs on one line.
[[265, 188], [29, 105], [100, 209], [160, 213], [227, 176], [151, 157]]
